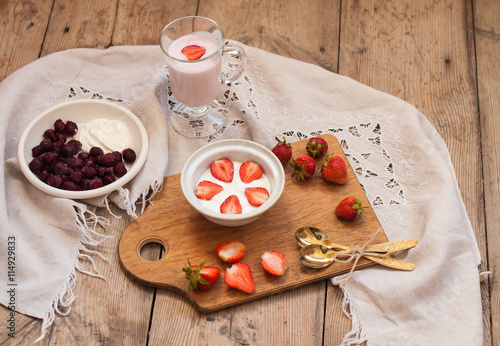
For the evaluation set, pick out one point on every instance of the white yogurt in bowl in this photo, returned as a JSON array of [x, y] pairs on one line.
[[237, 150], [236, 187]]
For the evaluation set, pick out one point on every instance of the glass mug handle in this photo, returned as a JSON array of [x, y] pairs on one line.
[[234, 60]]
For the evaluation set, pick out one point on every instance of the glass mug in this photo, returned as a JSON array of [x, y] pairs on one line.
[[197, 83]]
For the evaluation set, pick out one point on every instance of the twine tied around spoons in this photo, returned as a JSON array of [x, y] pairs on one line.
[[360, 251], [319, 251]]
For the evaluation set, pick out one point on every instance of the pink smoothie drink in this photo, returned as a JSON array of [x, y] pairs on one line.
[[195, 83]]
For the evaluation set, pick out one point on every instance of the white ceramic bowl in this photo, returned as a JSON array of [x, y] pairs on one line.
[[82, 111], [235, 150]]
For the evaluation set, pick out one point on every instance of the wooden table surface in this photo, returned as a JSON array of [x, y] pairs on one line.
[[441, 56]]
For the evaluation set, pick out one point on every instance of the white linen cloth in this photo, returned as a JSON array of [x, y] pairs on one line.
[[398, 157]]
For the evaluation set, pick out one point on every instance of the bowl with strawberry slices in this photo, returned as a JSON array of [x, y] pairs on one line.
[[232, 182]]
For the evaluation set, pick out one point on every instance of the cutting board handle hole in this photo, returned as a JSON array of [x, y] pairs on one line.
[[152, 249]]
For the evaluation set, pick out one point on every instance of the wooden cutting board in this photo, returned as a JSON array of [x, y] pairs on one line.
[[186, 234]]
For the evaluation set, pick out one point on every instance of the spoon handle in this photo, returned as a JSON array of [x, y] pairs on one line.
[[392, 262], [393, 245]]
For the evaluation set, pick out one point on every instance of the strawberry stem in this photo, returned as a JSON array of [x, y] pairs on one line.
[[359, 208], [283, 142], [299, 170], [193, 275]]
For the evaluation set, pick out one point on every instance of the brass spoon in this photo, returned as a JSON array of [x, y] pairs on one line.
[[319, 256], [311, 235]]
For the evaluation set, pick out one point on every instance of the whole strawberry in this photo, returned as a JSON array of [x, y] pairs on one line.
[[303, 167], [200, 277], [283, 151], [334, 170], [349, 209], [316, 147]]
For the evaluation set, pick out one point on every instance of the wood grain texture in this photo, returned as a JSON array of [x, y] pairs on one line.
[[27, 328], [487, 38], [272, 320], [106, 310], [140, 22], [431, 81], [336, 323], [22, 31], [80, 24], [304, 30], [188, 235], [423, 52], [299, 29]]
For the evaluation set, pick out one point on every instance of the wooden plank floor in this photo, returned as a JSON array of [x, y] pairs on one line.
[[441, 56]]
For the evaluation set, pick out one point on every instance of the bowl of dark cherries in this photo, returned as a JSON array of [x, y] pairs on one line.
[[83, 149]]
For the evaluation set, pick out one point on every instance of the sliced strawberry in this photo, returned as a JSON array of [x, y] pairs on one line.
[[239, 276], [223, 170], [201, 277], [231, 251], [231, 205], [256, 196], [193, 52], [274, 262], [207, 190], [250, 171]]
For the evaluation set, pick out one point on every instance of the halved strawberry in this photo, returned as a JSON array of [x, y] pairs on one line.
[[250, 171], [239, 276], [193, 52], [274, 262], [231, 205], [223, 170], [207, 190], [201, 277], [256, 196], [231, 251]]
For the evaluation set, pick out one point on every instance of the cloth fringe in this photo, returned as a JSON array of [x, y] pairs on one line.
[[141, 198], [356, 335], [86, 223], [106, 204]]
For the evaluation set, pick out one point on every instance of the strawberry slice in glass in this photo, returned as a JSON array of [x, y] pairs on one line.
[[193, 52]]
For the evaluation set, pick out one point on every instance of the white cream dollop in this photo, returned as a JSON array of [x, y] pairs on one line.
[[108, 134]]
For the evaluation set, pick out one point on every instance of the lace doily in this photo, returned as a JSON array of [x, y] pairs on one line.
[[362, 141], [370, 161], [83, 92], [236, 103]]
